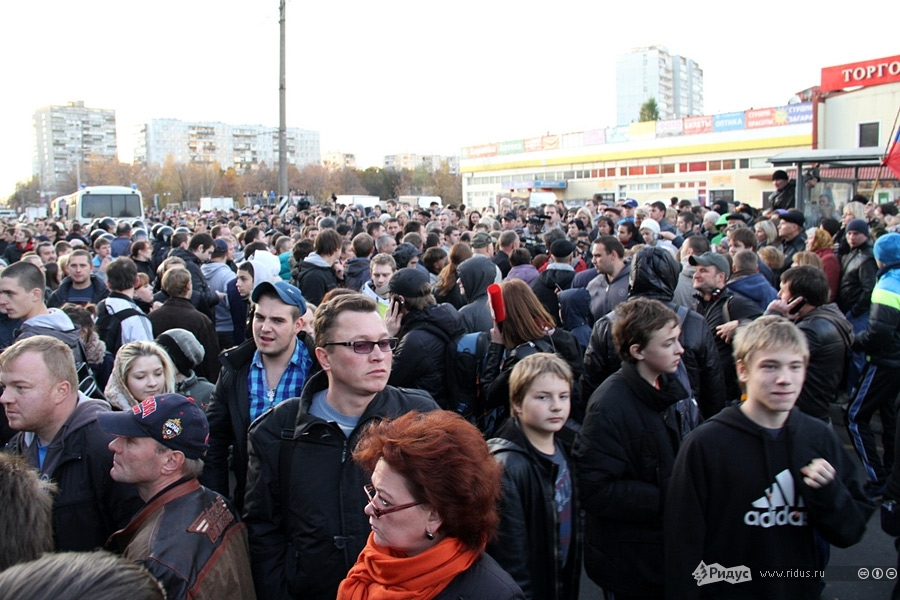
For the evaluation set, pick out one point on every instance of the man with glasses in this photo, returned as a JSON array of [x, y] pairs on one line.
[[303, 505], [257, 375]]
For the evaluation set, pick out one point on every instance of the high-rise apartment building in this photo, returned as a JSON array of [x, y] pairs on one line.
[[432, 162], [239, 146], [338, 160], [69, 137], [676, 82]]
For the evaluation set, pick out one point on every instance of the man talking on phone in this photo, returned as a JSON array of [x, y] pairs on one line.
[[803, 299], [424, 329]]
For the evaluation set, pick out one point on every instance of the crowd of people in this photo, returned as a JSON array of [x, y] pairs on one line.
[[441, 402]]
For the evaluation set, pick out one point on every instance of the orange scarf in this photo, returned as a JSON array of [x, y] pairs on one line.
[[381, 574]]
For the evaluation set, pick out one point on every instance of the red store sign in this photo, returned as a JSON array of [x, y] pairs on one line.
[[866, 73]]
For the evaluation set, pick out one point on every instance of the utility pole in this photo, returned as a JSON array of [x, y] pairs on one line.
[[282, 121]]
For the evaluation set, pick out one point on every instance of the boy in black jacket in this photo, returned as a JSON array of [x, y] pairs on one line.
[[625, 452], [538, 540], [760, 486]]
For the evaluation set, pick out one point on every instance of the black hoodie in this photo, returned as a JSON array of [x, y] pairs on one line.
[[737, 498]]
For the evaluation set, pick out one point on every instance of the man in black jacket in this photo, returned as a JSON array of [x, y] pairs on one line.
[[804, 300], [305, 501], [199, 250], [556, 278], [60, 437], [723, 309], [654, 274], [262, 372], [317, 274]]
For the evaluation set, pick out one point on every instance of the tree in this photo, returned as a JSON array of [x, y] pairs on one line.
[[447, 185], [649, 110]]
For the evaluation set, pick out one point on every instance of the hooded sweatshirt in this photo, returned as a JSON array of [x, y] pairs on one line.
[[575, 309], [476, 274], [218, 274], [737, 498], [754, 286], [356, 273], [56, 324], [316, 278]]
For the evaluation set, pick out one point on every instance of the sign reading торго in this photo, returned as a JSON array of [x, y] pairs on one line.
[[866, 73]]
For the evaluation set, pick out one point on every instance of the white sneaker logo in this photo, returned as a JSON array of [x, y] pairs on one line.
[[715, 573], [780, 505]]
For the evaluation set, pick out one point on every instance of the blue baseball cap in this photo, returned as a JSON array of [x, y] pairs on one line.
[[288, 293]]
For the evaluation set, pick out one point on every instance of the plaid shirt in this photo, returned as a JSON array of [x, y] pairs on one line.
[[262, 398]]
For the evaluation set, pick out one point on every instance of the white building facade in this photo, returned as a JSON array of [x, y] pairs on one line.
[[68, 137], [239, 146]]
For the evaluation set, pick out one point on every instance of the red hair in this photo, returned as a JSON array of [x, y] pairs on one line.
[[446, 464]]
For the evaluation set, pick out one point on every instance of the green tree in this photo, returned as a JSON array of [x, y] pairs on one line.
[[649, 110]]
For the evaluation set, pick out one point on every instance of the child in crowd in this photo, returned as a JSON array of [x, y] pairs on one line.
[[538, 541]]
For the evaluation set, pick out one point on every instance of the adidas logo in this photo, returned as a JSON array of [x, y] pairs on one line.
[[780, 505]]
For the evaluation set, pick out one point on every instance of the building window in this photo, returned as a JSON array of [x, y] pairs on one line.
[[727, 164], [635, 170], [670, 168], [652, 169], [726, 195], [868, 135], [745, 163]]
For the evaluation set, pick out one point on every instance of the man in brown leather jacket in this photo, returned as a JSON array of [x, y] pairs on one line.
[[187, 536]]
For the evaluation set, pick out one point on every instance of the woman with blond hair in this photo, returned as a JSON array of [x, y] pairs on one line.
[[142, 369], [766, 234]]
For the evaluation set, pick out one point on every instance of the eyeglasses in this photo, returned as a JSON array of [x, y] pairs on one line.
[[366, 347], [380, 512]]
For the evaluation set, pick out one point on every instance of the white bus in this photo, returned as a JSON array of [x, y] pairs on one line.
[[99, 201]]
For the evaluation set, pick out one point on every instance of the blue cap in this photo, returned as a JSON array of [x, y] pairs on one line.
[[288, 293]]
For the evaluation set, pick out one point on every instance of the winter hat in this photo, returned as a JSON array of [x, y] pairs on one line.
[[858, 225], [652, 225], [183, 348]]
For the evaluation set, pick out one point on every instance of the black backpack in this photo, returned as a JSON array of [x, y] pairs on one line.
[[463, 356], [109, 325], [494, 409]]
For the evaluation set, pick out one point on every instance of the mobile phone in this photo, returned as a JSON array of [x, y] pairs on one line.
[[797, 307]]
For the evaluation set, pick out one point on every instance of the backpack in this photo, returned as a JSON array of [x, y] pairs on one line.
[[109, 324], [463, 356], [494, 408]]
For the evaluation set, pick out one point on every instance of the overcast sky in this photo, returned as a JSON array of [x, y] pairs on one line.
[[389, 77]]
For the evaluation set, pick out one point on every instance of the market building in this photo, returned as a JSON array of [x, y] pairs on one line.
[[702, 158]]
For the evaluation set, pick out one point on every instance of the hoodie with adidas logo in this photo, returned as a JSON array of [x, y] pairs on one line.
[[737, 498]]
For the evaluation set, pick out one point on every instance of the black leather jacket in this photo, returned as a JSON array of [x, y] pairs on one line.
[[829, 336], [858, 270], [229, 419], [528, 537]]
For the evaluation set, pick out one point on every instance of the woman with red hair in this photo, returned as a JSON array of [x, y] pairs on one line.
[[433, 508]]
